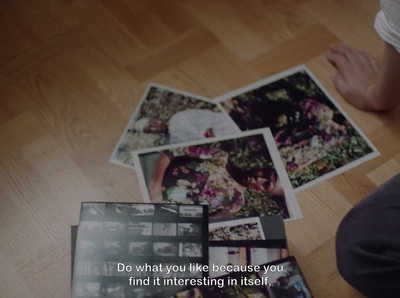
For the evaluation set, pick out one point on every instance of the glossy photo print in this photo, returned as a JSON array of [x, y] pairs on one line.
[[243, 256], [169, 116], [121, 248], [237, 176], [243, 229], [285, 279], [315, 138]]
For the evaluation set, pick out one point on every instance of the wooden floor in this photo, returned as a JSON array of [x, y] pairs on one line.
[[73, 71]]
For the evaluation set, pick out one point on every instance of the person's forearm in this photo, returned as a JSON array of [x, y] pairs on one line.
[[162, 164], [155, 185]]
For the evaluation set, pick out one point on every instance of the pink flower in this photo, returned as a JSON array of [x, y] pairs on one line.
[[240, 200], [209, 192], [199, 150], [200, 178]]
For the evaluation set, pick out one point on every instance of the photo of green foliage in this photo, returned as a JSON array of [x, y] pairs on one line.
[[312, 135], [252, 153]]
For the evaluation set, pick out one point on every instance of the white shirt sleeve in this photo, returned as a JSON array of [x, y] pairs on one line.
[[192, 124], [387, 22]]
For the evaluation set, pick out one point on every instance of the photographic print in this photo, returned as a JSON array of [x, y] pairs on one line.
[[113, 248], [286, 280], [87, 289], [260, 255], [142, 210], [190, 250], [191, 211], [166, 210], [118, 208], [223, 256], [189, 229], [110, 268], [222, 288], [90, 249], [140, 228], [237, 176], [140, 248], [92, 227], [165, 249], [314, 136], [233, 230], [164, 229], [242, 256], [88, 268], [114, 228], [113, 289], [92, 210], [169, 116]]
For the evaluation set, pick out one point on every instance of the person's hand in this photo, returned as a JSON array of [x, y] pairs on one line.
[[357, 71]]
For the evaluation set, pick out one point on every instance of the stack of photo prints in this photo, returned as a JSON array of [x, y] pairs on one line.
[[218, 179]]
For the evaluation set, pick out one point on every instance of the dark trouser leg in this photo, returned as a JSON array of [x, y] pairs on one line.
[[368, 242]]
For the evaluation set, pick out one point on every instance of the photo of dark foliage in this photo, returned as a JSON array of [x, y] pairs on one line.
[[162, 104], [247, 153], [312, 134], [246, 231]]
